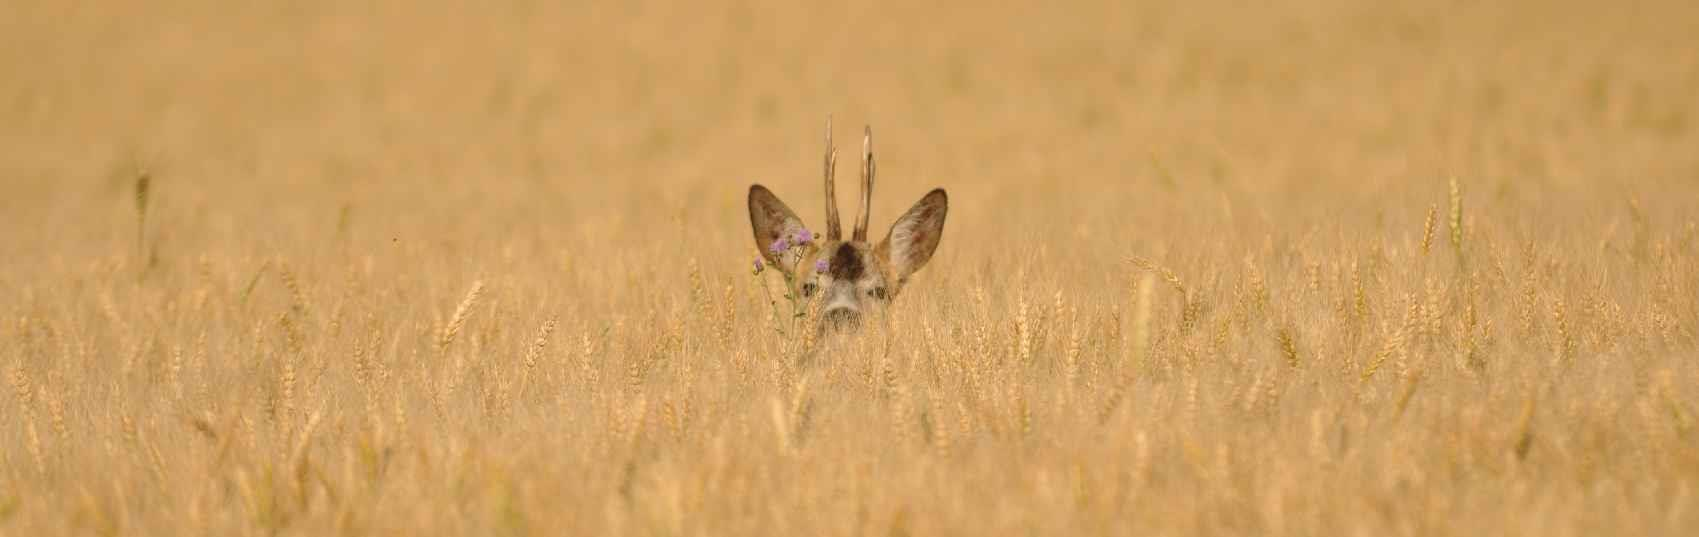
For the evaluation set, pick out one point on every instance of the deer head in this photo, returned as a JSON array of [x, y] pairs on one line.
[[848, 279]]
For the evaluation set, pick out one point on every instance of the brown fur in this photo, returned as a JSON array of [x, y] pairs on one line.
[[848, 284]]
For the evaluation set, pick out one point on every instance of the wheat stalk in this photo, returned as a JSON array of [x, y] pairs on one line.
[[1456, 220], [1565, 344], [1288, 345], [1524, 430], [1141, 320], [297, 298], [535, 352], [144, 183], [461, 313], [1023, 332], [1428, 229]]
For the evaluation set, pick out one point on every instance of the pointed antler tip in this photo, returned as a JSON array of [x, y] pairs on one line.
[[866, 183], [834, 230]]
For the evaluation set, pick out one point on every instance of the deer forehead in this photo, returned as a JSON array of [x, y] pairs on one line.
[[849, 261]]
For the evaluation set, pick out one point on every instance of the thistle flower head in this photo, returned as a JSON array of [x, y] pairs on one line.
[[820, 266], [779, 246], [759, 266], [804, 236]]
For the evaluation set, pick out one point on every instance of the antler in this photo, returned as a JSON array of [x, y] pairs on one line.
[[867, 169], [834, 230]]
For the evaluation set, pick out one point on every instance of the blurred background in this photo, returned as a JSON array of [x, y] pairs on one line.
[[597, 126], [1183, 238]]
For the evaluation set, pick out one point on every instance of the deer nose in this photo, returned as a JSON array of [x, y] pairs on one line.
[[842, 319]]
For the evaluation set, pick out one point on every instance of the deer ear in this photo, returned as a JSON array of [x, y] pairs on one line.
[[916, 235], [771, 220]]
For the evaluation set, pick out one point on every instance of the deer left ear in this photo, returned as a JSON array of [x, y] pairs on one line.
[[771, 220], [915, 235]]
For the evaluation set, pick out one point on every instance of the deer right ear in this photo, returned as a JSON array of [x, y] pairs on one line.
[[772, 220], [916, 234]]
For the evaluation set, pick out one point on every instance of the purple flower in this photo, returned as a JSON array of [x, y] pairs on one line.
[[758, 266], [779, 246], [820, 266], [805, 236]]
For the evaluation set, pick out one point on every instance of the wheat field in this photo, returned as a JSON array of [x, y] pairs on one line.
[[435, 268]]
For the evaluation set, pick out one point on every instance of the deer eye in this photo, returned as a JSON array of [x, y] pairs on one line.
[[809, 288], [877, 292]]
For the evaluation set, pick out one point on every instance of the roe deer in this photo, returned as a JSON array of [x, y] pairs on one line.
[[846, 279]]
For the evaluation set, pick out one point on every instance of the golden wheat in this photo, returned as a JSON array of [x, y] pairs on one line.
[[458, 320], [486, 272]]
